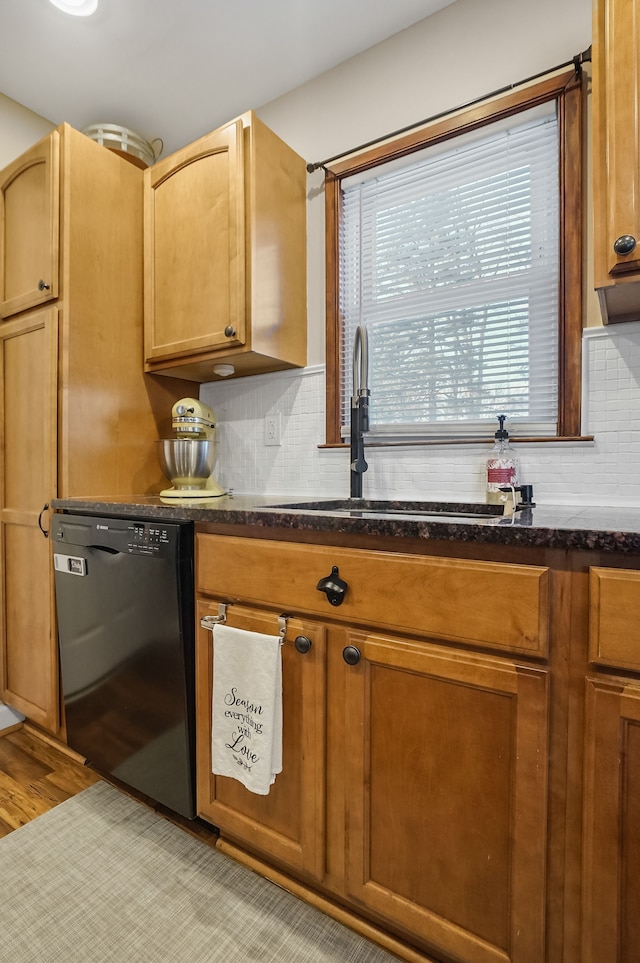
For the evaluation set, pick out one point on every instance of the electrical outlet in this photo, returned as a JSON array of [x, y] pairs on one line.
[[272, 429]]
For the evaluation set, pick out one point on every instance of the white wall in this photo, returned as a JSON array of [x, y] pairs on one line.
[[471, 48], [465, 51], [19, 129]]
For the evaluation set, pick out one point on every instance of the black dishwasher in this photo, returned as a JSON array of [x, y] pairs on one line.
[[125, 610]]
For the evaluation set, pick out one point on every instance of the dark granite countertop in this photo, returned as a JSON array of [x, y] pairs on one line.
[[545, 526]]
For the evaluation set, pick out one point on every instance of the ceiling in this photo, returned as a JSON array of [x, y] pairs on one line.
[[177, 69]]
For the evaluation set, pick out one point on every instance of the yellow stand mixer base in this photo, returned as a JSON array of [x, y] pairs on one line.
[[191, 494]]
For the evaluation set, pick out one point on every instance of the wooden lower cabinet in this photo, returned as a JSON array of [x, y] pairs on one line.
[[446, 795], [28, 644], [287, 825], [611, 903], [415, 785], [30, 655]]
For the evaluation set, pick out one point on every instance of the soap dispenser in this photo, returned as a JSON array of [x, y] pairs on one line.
[[503, 467]]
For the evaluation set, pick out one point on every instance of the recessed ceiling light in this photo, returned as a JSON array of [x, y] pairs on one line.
[[78, 8]]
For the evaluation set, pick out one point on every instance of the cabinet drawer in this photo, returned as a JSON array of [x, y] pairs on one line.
[[614, 617], [493, 605]]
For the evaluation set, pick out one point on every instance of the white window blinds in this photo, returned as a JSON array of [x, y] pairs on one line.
[[451, 260]]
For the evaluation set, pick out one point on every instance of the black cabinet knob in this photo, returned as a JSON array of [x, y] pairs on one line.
[[351, 655], [230, 331], [43, 286], [625, 244], [302, 644]]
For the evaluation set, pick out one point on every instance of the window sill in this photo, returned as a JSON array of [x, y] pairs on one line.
[[434, 443]]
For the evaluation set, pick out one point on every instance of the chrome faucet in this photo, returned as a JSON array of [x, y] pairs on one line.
[[359, 408]]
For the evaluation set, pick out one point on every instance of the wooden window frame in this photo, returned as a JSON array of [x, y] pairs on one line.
[[567, 89]]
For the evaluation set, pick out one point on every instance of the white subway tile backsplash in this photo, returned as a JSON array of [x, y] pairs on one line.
[[603, 472]]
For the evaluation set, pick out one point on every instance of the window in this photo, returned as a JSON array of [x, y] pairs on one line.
[[459, 248]]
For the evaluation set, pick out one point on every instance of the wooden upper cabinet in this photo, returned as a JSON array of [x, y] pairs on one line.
[[194, 210], [30, 222], [225, 255], [616, 157]]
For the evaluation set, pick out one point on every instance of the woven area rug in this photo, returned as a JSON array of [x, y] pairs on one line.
[[103, 878]]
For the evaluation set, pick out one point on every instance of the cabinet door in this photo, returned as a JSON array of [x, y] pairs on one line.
[[611, 909], [29, 228], [446, 761], [195, 248], [614, 606], [616, 105], [28, 357], [289, 823]]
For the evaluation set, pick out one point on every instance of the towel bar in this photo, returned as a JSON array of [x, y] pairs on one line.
[[282, 626], [210, 621]]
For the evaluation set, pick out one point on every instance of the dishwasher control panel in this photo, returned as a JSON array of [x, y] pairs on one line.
[[83, 535], [148, 538]]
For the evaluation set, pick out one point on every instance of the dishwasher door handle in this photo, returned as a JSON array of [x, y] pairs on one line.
[[106, 548], [45, 508], [71, 564]]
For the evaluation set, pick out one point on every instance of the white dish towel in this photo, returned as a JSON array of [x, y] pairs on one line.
[[246, 738]]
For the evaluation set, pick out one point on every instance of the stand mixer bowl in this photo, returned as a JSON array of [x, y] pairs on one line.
[[188, 462]]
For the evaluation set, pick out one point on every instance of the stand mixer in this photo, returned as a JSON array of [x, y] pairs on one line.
[[188, 458]]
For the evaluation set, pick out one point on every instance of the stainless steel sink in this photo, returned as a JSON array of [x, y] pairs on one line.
[[427, 511]]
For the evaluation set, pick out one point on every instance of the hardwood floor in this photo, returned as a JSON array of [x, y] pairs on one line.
[[35, 777]]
